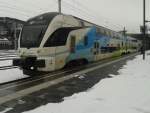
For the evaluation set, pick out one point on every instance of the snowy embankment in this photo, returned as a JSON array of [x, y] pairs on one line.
[[129, 92], [10, 74], [5, 63]]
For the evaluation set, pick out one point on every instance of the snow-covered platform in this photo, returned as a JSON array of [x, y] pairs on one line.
[[122, 87], [10, 74]]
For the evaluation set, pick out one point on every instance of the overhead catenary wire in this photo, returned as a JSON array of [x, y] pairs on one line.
[[94, 12], [85, 8], [11, 12], [16, 10], [85, 12], [17, 7], [28, 8], [82, 11]]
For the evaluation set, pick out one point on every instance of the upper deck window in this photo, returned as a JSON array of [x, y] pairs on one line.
[[58, 38]]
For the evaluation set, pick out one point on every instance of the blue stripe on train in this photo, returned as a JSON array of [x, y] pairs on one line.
[[83, 51]]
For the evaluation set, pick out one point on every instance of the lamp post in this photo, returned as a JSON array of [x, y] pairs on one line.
[[144, 29], [124, 34], [59, 6]]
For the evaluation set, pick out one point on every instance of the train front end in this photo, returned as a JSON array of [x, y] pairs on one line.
[[32, 56]]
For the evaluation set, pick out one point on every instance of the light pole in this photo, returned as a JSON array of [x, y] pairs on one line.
[[124, 33], [15, 35], [59, 6], [144, 30]]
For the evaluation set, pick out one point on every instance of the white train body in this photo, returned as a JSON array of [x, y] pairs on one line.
[[50, 41]]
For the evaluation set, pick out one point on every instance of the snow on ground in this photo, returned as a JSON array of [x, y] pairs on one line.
[[129, 92], [10, 75], [5, 63], [8, 51], [8, 54]]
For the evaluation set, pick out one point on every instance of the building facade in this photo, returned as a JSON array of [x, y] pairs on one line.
[[10, 29]]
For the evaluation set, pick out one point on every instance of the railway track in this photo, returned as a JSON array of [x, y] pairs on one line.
[[29, 85], [11, 58], [7, 67], [54, 73], [7, 56]]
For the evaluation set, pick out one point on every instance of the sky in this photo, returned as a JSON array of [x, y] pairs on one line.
[[114, 14]]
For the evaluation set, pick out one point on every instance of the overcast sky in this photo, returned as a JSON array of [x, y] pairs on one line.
[[114, 14]]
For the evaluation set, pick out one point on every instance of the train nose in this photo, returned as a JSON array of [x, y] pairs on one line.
[[29, 62]]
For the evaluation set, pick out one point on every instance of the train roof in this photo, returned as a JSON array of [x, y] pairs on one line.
[[91, 23], [43, 18], [46, 15], [50, 15]]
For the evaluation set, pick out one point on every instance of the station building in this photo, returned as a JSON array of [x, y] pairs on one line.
[[9, 29], [5, 44]]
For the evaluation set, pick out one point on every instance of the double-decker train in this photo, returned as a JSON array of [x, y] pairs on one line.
[[52, 40]]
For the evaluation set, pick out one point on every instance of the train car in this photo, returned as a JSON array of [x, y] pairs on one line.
[[51, 41]]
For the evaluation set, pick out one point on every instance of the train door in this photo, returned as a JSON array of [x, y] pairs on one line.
[[72, 44], [60, 56], [96, 50]]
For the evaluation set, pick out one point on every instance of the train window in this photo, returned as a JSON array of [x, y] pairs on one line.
[[85, 41], [102, 31], [108, 49], [95, 45], [72, 44], [105, 32], [32, 36], [99, 31], [58, 38], [111, 34], [104, 49], [82, 23], [122, 44]]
